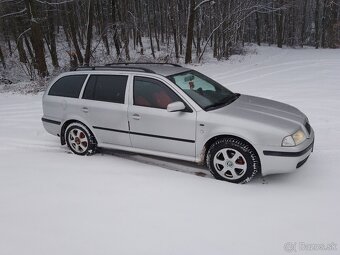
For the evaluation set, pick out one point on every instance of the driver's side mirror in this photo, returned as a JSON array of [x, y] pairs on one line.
[[175, 107]]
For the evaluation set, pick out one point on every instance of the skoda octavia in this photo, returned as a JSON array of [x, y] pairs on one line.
[[171, 111]]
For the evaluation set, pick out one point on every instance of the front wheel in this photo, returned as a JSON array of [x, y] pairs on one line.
[[233, 160], [80, 140]]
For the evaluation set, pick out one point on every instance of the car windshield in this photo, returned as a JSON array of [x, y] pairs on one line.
[[207, 93]]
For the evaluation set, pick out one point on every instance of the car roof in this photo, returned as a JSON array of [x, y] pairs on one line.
[[163, 69]]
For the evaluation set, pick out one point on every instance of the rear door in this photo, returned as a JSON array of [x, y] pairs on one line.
[[104, 105], [152, 127]]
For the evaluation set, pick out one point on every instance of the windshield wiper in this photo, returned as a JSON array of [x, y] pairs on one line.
[[224, 102]]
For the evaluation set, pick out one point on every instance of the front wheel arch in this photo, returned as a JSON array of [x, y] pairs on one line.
[[212, 140]]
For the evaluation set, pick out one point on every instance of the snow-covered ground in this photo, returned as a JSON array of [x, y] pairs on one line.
[[54, 202]]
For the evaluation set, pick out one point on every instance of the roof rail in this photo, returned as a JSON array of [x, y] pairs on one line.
[[142, 63], [116, 68]]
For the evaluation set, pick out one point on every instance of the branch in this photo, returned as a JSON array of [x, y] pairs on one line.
[[239, 10], [7, 1], [28, 29], [58, 3], [203, 2], [13, 13], [135, 22]]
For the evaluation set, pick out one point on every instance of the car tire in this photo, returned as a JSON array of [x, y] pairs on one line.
[[233, 160], [80, 140]]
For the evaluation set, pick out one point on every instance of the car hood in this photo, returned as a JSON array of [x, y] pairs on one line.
[[265, 111]]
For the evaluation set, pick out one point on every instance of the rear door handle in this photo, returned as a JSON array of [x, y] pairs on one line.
[[85, 109], [136, 116]]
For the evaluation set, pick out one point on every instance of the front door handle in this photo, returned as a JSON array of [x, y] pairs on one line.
[[85, 109], [136, 117]]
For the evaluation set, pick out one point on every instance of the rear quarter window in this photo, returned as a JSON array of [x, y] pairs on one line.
[[68, 86]]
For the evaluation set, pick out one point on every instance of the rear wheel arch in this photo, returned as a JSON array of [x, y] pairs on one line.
[[66, 124], [80, 139]]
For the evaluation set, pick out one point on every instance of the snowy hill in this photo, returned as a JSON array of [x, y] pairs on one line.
[[54, 202]]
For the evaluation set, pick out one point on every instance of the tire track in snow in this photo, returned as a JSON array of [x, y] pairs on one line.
[[313, 62], [169, 164], [269, 74], [12, 143], [25, 106], [14, 116]]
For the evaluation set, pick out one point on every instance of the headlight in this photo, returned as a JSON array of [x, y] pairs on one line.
[[294, 139]]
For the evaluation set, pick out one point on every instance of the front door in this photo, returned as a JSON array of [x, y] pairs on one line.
[[152, 127]]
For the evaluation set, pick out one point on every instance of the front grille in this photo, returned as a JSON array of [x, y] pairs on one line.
[[308, 127]]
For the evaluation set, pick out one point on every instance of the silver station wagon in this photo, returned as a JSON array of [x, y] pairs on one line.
[[171, 111]]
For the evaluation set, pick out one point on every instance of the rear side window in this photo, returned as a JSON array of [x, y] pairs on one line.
[[107, 88], [68, 86]]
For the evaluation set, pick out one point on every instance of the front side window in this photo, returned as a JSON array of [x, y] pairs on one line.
[[106, 88], [68, 86], [207, 93], [152, 93]]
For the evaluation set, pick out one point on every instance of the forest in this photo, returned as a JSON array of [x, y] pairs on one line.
[[47, 37]]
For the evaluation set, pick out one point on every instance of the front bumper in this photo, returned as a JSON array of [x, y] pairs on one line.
[[276, 160]]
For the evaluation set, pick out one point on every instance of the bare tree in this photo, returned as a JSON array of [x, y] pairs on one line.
[[36, 38], [2, 58], [73, 32], [51, 40], [89, 32], [316, 21], [182, 28], [303, 23], [280, 16]]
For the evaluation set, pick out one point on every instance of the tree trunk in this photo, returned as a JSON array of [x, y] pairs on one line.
[[115, 28], [198, 33], [6, 32], [2, 58], [51, 35], [279, 28], [89, 33], [161, 20], [332, 29], [125, 31], [150, 34], [173, 23], [9, 45], [155, 25], [18, 39], [258, 28], [102, 26], [190, 32], [179, 30], [79, 22], [323, 25], [316, 20], [303, 24], [73, 33], [36, 39], [22, 52], [29, 48]]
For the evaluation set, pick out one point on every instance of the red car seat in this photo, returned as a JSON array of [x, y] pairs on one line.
[[162, 99]]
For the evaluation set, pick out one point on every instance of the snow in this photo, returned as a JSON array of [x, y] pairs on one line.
[[54, 202]]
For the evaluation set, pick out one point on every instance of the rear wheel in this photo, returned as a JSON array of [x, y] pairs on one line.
[[80, 140], [233, 160]]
